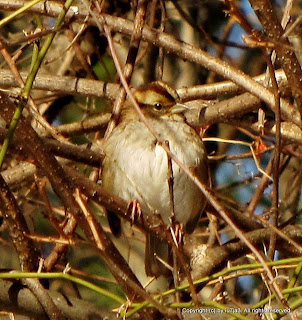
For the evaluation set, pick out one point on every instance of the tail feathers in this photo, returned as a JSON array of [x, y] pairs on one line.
[[114, 223], [156, 247]]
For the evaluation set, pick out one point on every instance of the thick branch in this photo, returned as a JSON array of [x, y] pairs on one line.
[[19, 300]]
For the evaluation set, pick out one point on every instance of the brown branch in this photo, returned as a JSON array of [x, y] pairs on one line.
[[95, 88], [25, 247], [215, 258], [43, 297], [139, 22], [274, 32], [188, 52], [61, 149], [20, 300], [63, 84], [64, 188]]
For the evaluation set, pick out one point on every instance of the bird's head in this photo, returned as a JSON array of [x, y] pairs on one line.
[[159, 99]]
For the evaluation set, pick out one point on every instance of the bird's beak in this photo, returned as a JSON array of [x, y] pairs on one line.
[[179, 108]]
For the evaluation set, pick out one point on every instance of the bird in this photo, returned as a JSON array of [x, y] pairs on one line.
[[136, 166]]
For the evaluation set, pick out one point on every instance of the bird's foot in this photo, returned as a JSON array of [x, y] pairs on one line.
[[177, 232], [135, 210]]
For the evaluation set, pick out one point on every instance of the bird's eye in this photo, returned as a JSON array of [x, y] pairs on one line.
[[158, 106]]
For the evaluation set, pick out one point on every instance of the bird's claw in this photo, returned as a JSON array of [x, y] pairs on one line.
[[177, 232], [135, 211]]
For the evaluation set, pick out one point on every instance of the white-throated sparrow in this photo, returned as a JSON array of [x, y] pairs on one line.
[[137, 167]]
